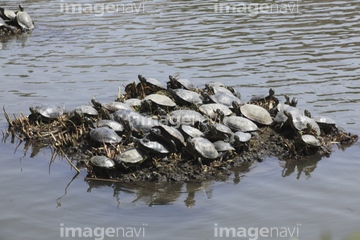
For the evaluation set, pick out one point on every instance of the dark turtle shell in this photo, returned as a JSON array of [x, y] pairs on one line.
[[222, 146], [153, 147], [175, 83], [211, 110], [236, 123], [102, 161], [186, 97], [202, 147], [191, 132], [49, 111], [131, 155], [104, 135], [224, 98], [185, 117], [114, 125]]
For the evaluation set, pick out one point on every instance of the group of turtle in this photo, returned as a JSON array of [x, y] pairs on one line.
[[15, 22], [179, 120]]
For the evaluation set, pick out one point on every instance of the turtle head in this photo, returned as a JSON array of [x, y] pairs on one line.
[[307, 113], [271, 92], [21, 8], [287, 98], [294, 102]]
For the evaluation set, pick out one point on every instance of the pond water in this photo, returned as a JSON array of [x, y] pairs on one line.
[[304, 49]]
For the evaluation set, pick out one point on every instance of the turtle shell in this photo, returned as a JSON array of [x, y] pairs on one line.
[[102, 161], [256, 113], [104, 134], [211, 108], [202, 147], [131, 155], [237, 123]]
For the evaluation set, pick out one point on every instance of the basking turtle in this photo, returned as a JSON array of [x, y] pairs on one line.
[[219, 131], [239, 139], [7, 15], [201, 148], [153, 147], [325, 123], [223, 98], [237, 123], [157, 100], [185, 117], [211, 110], [148, 86], [85, 111], [102, 162], [302, 123], [222, 146], [175, 83], [171, 133], [256, 113], [131, 156], [105, 135], [114, 125], [24, 20], [46, 112], [185, 97], [310, 140], [190, 132], [268, 102]]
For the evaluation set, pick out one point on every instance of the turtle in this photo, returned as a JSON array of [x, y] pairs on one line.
[[153, 147], [135, 122], [105, 135], [256, 113], [201, 148], [302, 123], [160, 100], [237, 123], [171, 133], [24, 20], [7, 15], [211, 110], [175, 83], [238, 139], [133, 102], [185, 97], [114, 125], [190, 132], [102, 162], [148, 86], [85, 110], [187, 117], [223, 98], [267, 101], [114, 106], [218, 89], [310, 140], [220, 131], [325, 123], [131, 156], [222, 146], [46, 112]]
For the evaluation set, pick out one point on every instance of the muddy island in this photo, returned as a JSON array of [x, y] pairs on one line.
[[177, 132]]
